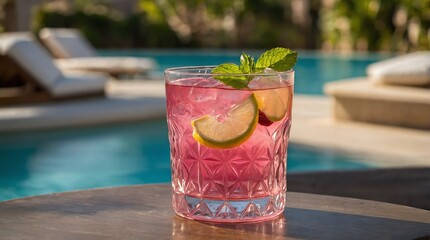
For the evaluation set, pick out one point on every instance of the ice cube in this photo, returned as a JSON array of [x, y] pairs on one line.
[[269, 81], [203, 94], [205, 82], [182, 109]]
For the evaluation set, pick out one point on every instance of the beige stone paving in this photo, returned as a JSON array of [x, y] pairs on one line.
[[312, 125], [388, 145]]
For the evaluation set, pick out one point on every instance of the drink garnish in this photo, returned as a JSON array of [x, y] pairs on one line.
[[278, 59], [274, 103], [237, 126], [262, 106]]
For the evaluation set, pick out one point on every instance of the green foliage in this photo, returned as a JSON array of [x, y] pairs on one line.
[[2, 14], [394, 25], [239, 23], [377, 25], [105, 27]]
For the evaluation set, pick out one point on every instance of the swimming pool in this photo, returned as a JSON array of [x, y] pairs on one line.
[[40, 162], [313, 68], [34, 163]]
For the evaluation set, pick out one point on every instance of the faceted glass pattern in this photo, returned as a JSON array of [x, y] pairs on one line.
[[246, 183]]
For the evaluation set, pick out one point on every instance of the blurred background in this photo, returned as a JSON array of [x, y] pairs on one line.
[[345, 25], [120, 137]]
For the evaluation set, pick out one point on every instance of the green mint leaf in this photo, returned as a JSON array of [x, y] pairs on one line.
[[230, 79], [278, 59], [227, 68], [247, 64]]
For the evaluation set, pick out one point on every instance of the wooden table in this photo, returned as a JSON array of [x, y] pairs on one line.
[[144, 212]]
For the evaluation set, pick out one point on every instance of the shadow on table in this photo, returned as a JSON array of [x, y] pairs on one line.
[[305, 224], [405, 186]]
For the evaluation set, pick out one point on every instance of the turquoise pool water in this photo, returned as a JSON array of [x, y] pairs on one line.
[[42, 162], [313, 68]]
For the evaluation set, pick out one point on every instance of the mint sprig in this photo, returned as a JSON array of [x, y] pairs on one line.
[[278, 59], [247, 64], [235, 81]]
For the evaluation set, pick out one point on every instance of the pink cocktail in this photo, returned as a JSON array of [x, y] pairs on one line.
[[240, 180]]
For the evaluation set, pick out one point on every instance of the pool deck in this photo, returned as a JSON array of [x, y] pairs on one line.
[[312, 126]]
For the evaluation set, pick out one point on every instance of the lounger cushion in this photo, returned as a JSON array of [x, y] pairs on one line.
[[409, 70], [36, 61], [66, 43], [115, 65], [78, 84], [76, 53], [31, 56]]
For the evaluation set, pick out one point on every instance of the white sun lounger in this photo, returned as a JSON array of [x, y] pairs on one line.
[[409, 70], [74, 52], [33, 63]]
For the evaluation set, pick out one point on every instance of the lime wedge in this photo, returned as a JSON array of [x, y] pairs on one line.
[[273, 103], [237, 126]]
